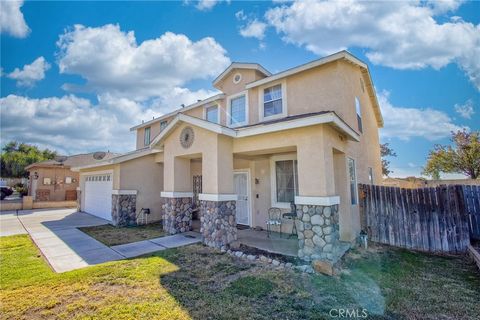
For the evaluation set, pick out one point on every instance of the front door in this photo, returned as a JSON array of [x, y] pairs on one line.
[[240, 182]]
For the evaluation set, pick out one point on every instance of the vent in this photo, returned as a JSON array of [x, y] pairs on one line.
[[99, 155], [60, 159]]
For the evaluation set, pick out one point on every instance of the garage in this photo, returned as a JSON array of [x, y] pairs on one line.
[[98, 195]]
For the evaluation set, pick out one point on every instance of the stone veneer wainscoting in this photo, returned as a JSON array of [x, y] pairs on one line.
[[218, 223], [318, 232], [124, 209], [177, 214], [79, 200]]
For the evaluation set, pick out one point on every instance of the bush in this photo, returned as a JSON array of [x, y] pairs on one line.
[[21, 189]]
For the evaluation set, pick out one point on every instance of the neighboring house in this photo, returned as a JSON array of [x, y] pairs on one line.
[[53, 180], [414, 182], [306, 135]]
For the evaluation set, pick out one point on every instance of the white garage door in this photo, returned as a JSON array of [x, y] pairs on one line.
[[98, 195]]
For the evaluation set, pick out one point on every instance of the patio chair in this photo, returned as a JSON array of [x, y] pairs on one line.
[[274, 219]]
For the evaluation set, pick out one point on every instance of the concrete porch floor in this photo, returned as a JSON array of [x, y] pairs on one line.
[[274, 244]]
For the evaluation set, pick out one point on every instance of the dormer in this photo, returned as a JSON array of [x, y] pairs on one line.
[[238, 75]]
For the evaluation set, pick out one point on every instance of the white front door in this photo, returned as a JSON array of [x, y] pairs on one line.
[[98, 195], [240, 182], [34, 188]]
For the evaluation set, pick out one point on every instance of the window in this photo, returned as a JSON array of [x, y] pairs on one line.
[[370, 175], [286, 173], [211, 114], [352, 175], [47, 181], [146, 137], [272, 101], [359, 115], [68, 180], [238, 111], [163, 124]]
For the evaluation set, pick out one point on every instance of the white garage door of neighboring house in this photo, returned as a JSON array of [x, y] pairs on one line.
[[98, 195]]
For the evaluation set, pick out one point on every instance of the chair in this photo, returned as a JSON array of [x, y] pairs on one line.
[[274, 219]]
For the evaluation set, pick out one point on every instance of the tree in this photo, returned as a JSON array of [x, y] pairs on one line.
[[463, 157], [386, 151], [16, 156]]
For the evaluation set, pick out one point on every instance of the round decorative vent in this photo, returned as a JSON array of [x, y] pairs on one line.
[[237, 78], [186, 137], [99, 155]]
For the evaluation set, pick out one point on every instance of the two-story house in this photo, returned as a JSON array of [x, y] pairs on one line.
[[303, 136]]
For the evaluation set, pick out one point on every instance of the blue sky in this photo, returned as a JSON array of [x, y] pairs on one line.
[[77, 75]]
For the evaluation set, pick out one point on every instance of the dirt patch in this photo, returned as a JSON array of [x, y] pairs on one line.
[[259, 252], [112, 236]]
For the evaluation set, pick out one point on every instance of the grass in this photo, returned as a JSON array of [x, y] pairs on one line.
[[111, 235], [196, 282]]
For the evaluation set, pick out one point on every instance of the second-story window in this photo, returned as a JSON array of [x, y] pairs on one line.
[[146, 136], [163, 124], [211, 114], [238, 111], [272, 101], [359, 114]]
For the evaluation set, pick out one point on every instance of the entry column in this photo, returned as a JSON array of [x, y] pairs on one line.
[[177, 199], [218, 202]]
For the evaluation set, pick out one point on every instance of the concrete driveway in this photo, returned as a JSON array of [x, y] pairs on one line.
[[56, 235]]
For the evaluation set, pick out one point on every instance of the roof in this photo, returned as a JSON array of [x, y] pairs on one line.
[[191, 106], [241, 65], [292, 122], [118, 158], [73, 161]]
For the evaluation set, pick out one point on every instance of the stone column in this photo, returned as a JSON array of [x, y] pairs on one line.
[[177, 212], [318, 231], [124, 207], [218, 222]]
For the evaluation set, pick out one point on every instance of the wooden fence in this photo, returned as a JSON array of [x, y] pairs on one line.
[[439, 219]]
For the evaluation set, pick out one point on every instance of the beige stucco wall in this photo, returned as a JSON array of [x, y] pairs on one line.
[[146, 176], [57, 175]]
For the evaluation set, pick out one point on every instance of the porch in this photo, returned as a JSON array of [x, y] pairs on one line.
[[286, 245]]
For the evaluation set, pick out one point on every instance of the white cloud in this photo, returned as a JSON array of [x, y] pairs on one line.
[[70, 124], [397, 34], [240, 15], [206, 5], [30, 73], [11, 19], [465, 110], [112, 61], [254, 29], [406, 123]]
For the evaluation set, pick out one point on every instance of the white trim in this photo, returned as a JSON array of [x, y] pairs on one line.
[[208, 106], [318, 201], [94, 173], [261, 96], [298, 123], [174, 194], [240, 65], [229, 108], [217, 197], [216, 97], [78, 189], [356, 181], [127, 192], [273, 179], [119, 159], [249, 192]]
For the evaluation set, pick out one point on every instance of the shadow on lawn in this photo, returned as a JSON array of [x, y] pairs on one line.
[[387, 283]]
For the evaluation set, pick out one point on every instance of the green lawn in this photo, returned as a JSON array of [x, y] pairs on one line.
[[111, 235], [196, 282]]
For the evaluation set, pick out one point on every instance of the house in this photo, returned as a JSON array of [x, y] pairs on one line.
[[306, 135], [53, 180]]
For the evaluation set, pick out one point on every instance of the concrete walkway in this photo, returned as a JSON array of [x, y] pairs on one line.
[[66, 248]]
